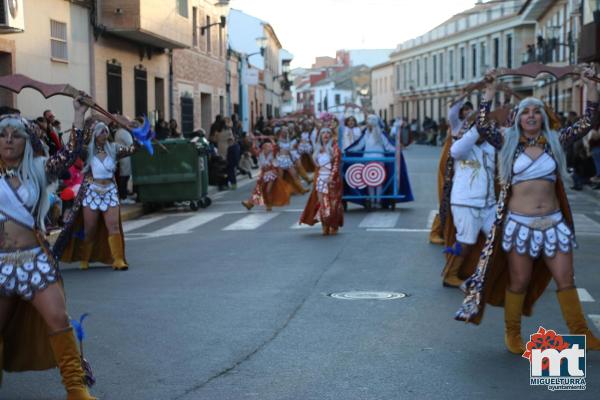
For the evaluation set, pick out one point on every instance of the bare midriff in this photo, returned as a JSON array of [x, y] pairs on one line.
[[15, 237], [103, 181], [534, 197]]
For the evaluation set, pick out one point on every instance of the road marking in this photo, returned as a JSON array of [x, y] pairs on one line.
[[584, 295], [379, 220], [251, 222], [431, 217], [595, 319], [585, 225], [187, 224], [129, 226], [396, 230]]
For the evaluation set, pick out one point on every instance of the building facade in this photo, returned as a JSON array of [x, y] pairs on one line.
[[199, 92], [382, 90], [432, 69], [53, 48]]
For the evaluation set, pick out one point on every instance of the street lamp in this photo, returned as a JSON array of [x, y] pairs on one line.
[[261, 42], [222, 23]]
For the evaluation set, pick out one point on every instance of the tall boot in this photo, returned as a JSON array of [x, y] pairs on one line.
[[436, 235], [248, 204], [68, 359], [573, 315], [86, 251], [513, 308], [268, 199], [451, 272], [116, 250]]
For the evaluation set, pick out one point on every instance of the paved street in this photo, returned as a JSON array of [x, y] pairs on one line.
[[228, 304]]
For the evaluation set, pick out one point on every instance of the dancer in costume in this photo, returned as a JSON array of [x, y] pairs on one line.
[[270, 190], [374, 144], [325, 201], [285, 163], [351, 132], [533, 237], [35, 330], [295, 153], [305, 148], [472, 199], [98, 197], [456, 116]]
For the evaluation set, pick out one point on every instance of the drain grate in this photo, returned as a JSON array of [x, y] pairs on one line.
[[367, 295]]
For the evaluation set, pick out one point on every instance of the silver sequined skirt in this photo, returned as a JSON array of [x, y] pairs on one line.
[[25, 272], [284, 161], [101, 197], [535, 235]]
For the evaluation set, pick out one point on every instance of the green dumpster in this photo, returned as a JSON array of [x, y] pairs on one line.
[[178, 171]]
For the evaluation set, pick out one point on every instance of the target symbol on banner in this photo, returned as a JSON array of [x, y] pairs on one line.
[[373, 174], [354, 176], [359, 176]]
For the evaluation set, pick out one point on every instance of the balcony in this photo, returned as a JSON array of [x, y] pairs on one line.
[[156, 23]]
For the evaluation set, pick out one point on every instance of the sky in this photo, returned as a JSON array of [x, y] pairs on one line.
[[310, 28]]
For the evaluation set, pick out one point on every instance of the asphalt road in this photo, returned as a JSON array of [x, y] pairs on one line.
[[225, 304]]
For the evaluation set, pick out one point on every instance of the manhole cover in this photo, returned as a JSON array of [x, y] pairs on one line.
[[367, 295]]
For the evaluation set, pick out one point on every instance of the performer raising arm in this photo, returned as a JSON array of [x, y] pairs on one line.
[[34, 325], [534, 225]]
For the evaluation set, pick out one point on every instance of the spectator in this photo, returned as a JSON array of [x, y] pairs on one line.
[[123, 137], [173, 132], [222, 137], [233, 159], [260, 124], [162, 127], [216, 126], [52, 138]]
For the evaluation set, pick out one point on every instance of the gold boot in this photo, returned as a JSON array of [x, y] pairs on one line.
[[86, 251], [117, 248], [68, 359], [325, 229], [451, 271], [513, 308], [573, 315], [436, 235], [247, 204]]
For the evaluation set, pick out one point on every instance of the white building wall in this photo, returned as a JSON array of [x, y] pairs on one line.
[[33, 56]]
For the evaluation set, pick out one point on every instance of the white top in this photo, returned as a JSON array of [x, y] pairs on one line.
[[474, 171], [284, 145], [324, 163], [350, 136], [305, 137], [15, 204], [103, 169], [526, 169], [265, 161], [372, 147]]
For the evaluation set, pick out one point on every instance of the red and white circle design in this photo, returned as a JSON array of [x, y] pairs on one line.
[[374, 174], [359, 176], [354, 176]]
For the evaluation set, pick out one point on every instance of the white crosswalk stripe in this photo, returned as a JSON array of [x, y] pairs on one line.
[[187, 224], [129, 226], [595, 318], [250, 222], [296, 225], [379, 220], [584, 295], [431, 217]]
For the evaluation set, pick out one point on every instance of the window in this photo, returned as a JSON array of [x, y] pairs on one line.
[[220, 41], [114, 88], [496, 52], [451, 64], [425, 68], [418, 72], [410, 73], [482, 61], [141, 91], [442, 68], [338, 100], [398, 77], [434, 69], [58, 41], [182, 7], [195, 26], [509, 51], [405, 75], [462, 63], [207, 33], [473, 60]]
